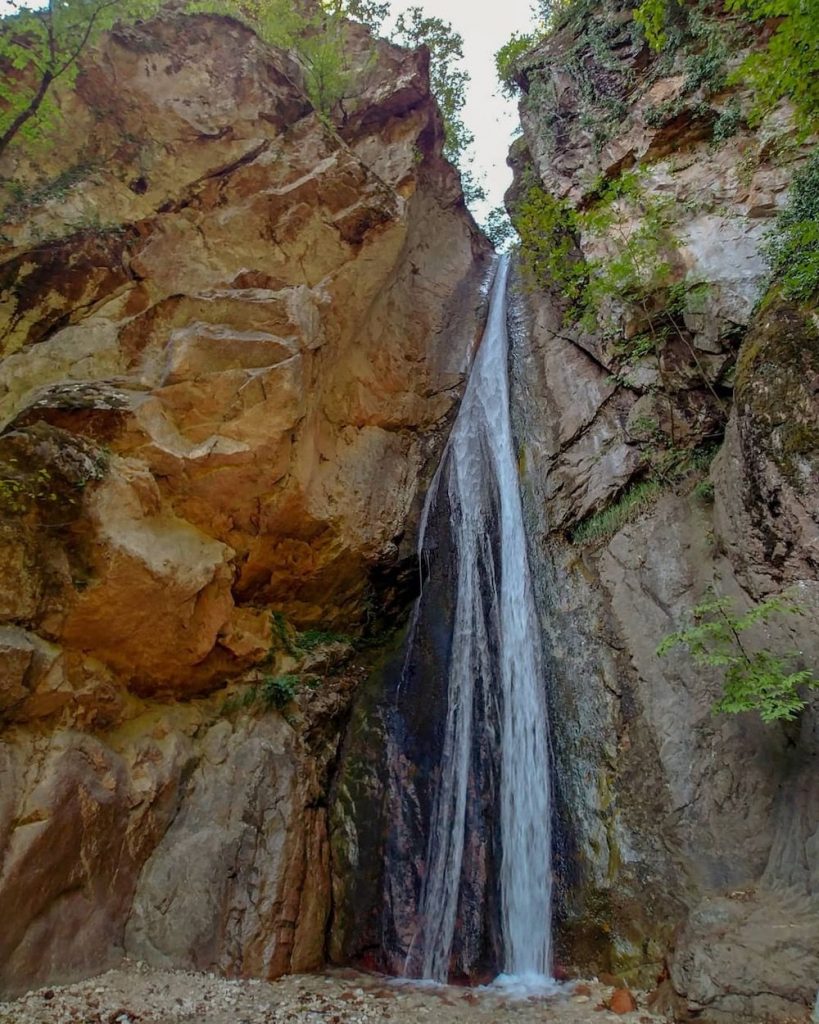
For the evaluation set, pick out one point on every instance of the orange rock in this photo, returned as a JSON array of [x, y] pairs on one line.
[[622, 1001], [238, 391]]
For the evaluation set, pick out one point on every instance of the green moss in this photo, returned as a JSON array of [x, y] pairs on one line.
[[604, 524], [800, 439], [312, 639], [777, 362]]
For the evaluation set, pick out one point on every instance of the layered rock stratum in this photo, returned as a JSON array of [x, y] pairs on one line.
[[234, 332]]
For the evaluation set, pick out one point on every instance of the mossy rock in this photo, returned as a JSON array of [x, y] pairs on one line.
[[44, 471], [776, 379]]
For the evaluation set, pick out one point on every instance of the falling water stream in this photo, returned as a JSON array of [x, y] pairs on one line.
[[495, 659]]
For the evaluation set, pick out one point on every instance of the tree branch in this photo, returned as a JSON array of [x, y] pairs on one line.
[[28, 113]]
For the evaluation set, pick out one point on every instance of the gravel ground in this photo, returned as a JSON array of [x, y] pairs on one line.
[[136, 994]]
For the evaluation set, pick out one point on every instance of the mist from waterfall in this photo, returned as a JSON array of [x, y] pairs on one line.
[[495, 659]]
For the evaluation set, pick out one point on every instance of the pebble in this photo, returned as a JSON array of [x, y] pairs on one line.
[[138, 994]]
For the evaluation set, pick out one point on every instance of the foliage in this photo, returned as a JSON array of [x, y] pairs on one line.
[[272, 693], [793, 245], [311, 639], [727, 124], [546, 227], [760, 680], [39, 47], [367, 12], [297, 644], [789, 65], [316, 38], [447, 75], [667, 465], [499, 229], [786, 67], [708, 67], [640, 263], [507, 57], [651, 16], [604, 524], [639, 260], [277, 691]]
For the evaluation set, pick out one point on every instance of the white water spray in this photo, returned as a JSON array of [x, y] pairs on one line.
[[495, 654]]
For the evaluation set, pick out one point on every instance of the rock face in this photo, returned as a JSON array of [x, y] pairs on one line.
[[234, 333], [687, 848]]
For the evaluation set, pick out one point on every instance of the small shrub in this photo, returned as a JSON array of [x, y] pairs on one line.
[[641, 264], [312, 639], [761, 681], [506, 61], [708, 67], [272, 693], [793, 245], [277, 691], [727, 124]]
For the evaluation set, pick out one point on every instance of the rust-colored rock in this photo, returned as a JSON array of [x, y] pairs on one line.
[[622, 1001], [231, 349]]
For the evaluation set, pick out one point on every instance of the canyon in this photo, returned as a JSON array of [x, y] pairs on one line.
[[236, 334]]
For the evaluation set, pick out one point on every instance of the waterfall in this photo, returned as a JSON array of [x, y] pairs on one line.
[[495, 664]]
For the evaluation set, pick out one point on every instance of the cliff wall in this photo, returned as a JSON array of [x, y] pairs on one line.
[[668, 444], [233, 332]]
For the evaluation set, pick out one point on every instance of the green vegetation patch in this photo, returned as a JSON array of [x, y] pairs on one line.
[[786, 67], [272, 693], [312, 639], [634, 500], [763, 680], [547, 230], [507, 60], [793, 245]]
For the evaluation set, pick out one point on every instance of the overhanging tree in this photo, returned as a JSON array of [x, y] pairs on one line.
[[39, 47]]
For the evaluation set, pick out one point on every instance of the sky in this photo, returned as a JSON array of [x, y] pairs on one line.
[[485, 26]]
